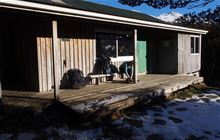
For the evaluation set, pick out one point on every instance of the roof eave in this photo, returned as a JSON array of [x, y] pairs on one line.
[[63, 11]]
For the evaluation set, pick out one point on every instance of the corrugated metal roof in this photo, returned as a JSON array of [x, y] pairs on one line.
[[93, 7]]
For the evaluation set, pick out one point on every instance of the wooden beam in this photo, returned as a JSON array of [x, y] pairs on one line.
[[135, 56], [55, 60]]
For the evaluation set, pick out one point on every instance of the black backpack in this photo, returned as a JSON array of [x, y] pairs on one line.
[[76, 79]]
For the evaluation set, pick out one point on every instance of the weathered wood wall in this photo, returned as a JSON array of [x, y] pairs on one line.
[[187, 62], [45, 73], [77, 50]]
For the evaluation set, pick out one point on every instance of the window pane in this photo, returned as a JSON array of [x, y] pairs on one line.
[[125, 45], [107, 44], [197, 45], [192, 45]]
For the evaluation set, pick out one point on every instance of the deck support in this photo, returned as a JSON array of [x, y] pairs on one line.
[[55, 60], [135, 56]]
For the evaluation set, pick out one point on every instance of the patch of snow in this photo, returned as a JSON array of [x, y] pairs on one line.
[[114, 98], [214, 91], [5, 136], [26, 136], [96, 104], [169, 17]]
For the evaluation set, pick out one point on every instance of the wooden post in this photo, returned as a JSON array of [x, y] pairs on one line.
[[135, 56], [55, 60]]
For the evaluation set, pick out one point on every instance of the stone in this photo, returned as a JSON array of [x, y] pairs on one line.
[[159, 122], [181, 109], [155, 137], [175, 120]]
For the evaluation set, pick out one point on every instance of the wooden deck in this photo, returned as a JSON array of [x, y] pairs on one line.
[[107, 97]]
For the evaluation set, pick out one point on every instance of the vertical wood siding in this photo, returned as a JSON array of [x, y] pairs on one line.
[[187, 63], [75, 51], [44, 49]]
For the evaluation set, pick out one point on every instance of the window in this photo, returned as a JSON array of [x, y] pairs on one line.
[[107, 45], [114, 45], [195, 43], [125, 45]]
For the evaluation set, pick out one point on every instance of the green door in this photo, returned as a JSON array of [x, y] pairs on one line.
[[142, 56]]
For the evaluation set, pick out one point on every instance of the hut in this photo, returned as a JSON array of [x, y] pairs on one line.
[[42, 39]]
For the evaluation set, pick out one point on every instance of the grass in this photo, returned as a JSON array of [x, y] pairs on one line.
[[189, 91]]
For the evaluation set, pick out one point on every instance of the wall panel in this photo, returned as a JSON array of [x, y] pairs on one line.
[[187, 62]]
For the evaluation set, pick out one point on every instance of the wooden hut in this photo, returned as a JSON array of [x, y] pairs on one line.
[[42, 39]]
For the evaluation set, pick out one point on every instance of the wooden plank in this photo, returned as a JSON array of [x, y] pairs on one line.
[[55, 60], [135, 56], [43, 64], [49, 65], [62, 57], [79, 44], [71, 54], [83, 55], [51, 58], [94, 51], [39, 61], [87, 57], [75, 48], [59, 60], [91, 55], [67, 55]]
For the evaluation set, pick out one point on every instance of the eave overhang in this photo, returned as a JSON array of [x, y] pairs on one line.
[[69, 12]]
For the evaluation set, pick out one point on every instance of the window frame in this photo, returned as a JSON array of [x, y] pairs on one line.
[[195, 44]]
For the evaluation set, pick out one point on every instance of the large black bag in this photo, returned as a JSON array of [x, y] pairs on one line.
[[76, 79]]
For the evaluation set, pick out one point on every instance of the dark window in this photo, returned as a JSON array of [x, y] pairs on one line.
[[192, 44], [195, 43], [125, 45], [114, 45], [107, 44]]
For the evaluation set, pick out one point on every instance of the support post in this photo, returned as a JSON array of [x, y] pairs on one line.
[[135, 56], [55, 60]]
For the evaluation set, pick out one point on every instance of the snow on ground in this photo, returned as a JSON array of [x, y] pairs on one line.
[[193, 118], [83, 107], [214, 91]]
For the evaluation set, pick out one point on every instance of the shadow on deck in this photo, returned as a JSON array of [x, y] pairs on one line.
[[105, 98]]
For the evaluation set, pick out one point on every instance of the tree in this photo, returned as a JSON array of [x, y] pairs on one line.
[[172, 4], [204, 17]]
